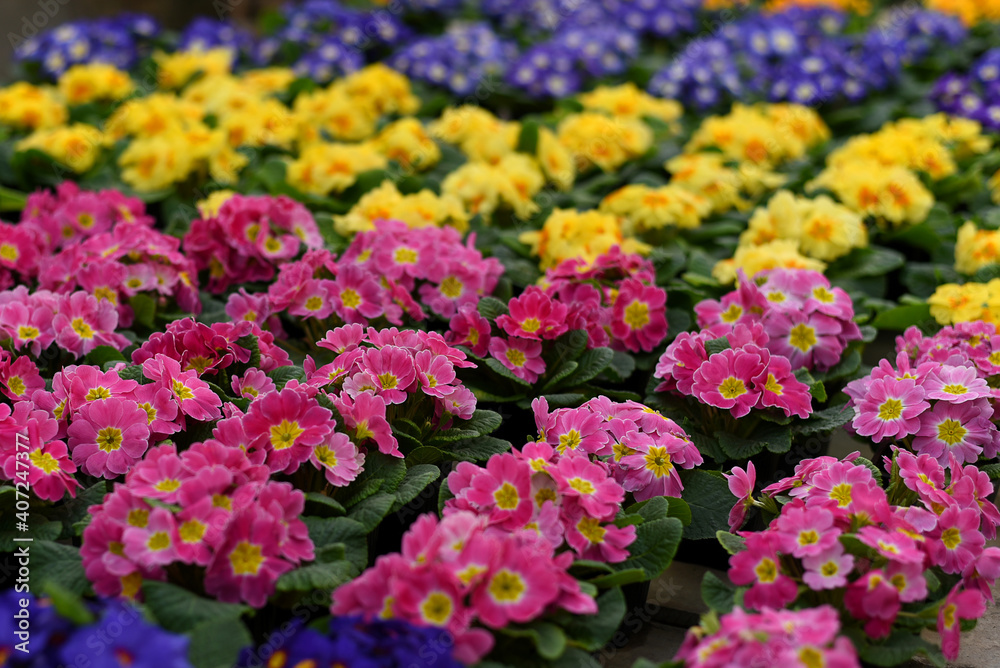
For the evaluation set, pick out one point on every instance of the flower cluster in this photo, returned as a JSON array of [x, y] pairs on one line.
[[248, 238], [568, 234], [121, 634], [460, 59], [209, 507], [642, 208], [809, 637], [454, 572], [376, 643], [936, 400], [821, 229], [974, 94], [389, 272], [77, 322], [953, 303], [837, 504], [119, 41]]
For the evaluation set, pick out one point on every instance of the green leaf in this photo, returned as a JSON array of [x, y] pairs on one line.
[[713, 346], [144, 308], [717, 595], [710, 501], [179, 610], [564, 399], [102, 355], [654, 546], [372, 510], [592, 632], [316, 501], [548, 639], [867, 463], [622, 366], [283, 374], [325, 576], [591, 364], [417, 479], [59, 563], [217, 643], [391, 470], [619, 578], [527, 141], [565, 369], [571, 344], [39, 528], [340, 531], [775, 437], [478, 449], [901, 317], [864, 263], [731, 542], [899, 648], [133, 372], [491, 308], [483, 421], [678, 508], [68, 604], [825, 420], [501, 370]]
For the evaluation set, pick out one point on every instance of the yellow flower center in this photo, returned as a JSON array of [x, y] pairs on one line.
[[182, 391], [772, 385], [27, 332], [150, 412], [766, 570], [222, 501], [314, 303], [109, 439], [658, 461], [823, 295], [951, 431], [388, 381], [350, 298], [949, 615], [841, 494], [81, 328], [44, 461], [506, 497], [732, 387], [568, 441], [810, 537], [951, 537], [581, 485], [9, 252], [191, 531], [158, 541], [16, 385], [591, 529], [802, 337], [812, 658], [732, 314], [637, 314], [451, 287], [138, 517], [325, 456], [543, 495], [531, 325], [506, 587], [246, 558], [404, 255], [283, 435], [436, 608], [891, 409], [955, 389], [97, 393], [516, 357], [829, 569]]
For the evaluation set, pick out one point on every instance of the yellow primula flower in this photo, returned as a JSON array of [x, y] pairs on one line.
[[210, 206], [408, 143], [322, 168], [726, 187], [153, 163], [952, 303], [483, 188], [779, 253], [568, 233], [479, 134], [629, 101], [766, 135], [159, 113], [23, 105], [976, 248], [970, 12], [893, 195], [643, 208], [81, 84], [555, 160], [75, 146], [385, 202], [176, 69], [598, 140]]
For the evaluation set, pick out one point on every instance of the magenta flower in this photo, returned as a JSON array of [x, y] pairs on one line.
[[153, 544], [810, 341], [28, 323], [249, 563], [534, 315], [19, 379], [502, 489], [356, 295], [287, 425], [338, 458], [890, 409], [392, 370], [159, 475], [469, 328], [639, 315], [193, 396], [726, 380], [522, 356], [778, 387], [83, 322], [366, 416], [805, 532], [893, 545], [955, 384], [50, 471], [828, 569], [959, 429], [958, 605], [741, 484], [107, 437], [874, 600], [592, 539], [517, 588], [760, 567], [682, 358], [956, 541], [648, 468], [587, 483]]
